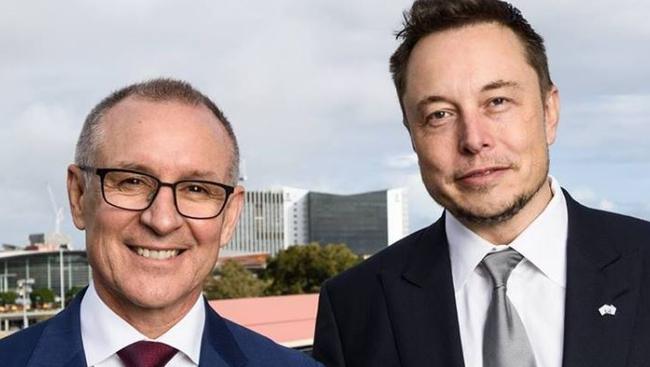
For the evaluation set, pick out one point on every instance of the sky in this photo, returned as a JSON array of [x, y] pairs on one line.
[[307, 88]]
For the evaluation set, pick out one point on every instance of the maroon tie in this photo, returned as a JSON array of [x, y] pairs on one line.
[[146, 354]]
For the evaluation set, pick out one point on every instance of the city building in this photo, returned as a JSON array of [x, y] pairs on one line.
[[273, 220], [365, 222]]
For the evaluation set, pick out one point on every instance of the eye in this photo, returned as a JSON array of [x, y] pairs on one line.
[[131, 181], [197, 189], [498, 101], [437, 117], [439, 114]]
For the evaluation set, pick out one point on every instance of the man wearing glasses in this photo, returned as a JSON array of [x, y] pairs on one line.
[[154, 186]]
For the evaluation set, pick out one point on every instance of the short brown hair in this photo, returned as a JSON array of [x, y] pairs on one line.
[[430, 16], [156, 90]]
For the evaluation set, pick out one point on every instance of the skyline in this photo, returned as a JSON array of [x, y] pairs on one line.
[[307, 89]]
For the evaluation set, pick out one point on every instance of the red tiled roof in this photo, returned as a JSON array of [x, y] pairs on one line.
[[288, 320]]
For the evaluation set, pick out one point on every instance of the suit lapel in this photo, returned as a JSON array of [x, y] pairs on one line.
[[60, 343], [598, 274], [218, 346], [421, 304]]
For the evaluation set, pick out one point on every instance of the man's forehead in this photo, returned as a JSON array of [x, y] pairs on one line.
[[154, 136], [464, 54], [136, 109]]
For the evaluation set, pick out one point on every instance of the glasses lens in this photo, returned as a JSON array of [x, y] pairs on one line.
[[129, 190], [200, 199]]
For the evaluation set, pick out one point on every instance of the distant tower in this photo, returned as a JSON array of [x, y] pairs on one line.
[[57, 238]]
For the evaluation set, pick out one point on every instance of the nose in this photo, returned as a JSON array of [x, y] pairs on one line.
[[162, 216], [475, 134]]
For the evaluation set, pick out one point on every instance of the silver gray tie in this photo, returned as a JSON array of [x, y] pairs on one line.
[[505, 342]]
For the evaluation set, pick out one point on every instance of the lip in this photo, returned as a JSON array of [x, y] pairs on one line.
[[481, 176], [134, 250]]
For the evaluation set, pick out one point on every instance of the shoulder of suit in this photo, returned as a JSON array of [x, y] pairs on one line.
[[622, 233], [607, 223], [260, 350], [17, 348]]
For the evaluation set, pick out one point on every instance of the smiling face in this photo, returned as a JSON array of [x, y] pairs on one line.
[[479, 125], [172, 141]]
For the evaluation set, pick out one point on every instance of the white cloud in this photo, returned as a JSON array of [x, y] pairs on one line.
[[402, 161], [605, 204]]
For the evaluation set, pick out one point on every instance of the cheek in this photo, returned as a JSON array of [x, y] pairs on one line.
[[104, 233], [207, 236]]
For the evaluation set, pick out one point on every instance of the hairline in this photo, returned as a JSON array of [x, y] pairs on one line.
[[543, 87], [96, 127]]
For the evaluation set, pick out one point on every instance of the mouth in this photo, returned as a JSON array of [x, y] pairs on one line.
[[156, 254], [479, 174]]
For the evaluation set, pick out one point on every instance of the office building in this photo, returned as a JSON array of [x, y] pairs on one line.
[[273, 220]]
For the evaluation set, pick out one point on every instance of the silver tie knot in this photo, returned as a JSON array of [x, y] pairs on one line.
[[500, 264]]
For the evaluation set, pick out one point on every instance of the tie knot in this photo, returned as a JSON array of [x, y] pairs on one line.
[[146, 354], [500, 264]]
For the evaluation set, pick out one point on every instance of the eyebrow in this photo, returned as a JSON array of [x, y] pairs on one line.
[[498, 84], [430, 99], [200, 174]]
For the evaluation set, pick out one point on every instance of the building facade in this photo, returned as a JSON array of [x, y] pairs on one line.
[[57, 270], [365, 222], [273, 220]]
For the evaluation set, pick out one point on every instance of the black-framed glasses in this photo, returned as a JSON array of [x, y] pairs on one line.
[[136, 191]]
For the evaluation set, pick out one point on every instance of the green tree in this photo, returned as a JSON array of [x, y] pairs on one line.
[[303, 268], [71, 293], [41, 296], [8, 298], [234, 281]]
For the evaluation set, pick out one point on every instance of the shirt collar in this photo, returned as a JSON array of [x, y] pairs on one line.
[[542, 243], [104, 333]]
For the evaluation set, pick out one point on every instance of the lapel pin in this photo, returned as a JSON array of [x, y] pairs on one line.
[[607, 310]]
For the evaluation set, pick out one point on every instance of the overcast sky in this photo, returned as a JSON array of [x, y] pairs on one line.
[[307, 87]]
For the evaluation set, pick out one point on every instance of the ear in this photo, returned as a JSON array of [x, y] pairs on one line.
[[76, 193], [231, 214], [551, 114]]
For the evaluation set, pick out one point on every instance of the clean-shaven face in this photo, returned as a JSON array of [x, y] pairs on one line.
[[156, 258]]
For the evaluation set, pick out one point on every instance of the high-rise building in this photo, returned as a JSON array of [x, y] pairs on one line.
[[366, 222], [272, 220]]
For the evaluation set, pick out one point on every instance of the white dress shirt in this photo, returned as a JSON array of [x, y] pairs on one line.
[[536, 286], [104, 333]]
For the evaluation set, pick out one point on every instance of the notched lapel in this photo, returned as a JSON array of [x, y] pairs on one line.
[[598, 275], [421, 304], [60, 343], [218, 345]]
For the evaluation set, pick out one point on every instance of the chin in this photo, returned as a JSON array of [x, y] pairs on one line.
[[485, 216]]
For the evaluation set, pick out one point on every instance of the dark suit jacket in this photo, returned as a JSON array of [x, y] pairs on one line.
[[398, 307], [57, 343]]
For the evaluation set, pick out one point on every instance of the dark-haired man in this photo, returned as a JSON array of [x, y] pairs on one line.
[[515, 273], [154, 186]]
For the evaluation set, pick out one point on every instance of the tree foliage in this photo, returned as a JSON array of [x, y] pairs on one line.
[[302, 269], [41, 296], [234, 281], [71, 293], [8, 298]]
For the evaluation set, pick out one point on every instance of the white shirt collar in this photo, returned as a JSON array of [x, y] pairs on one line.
[[104, 333], [542, 243]]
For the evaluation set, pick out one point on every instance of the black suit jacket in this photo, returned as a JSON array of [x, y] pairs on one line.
[[398, 307]]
